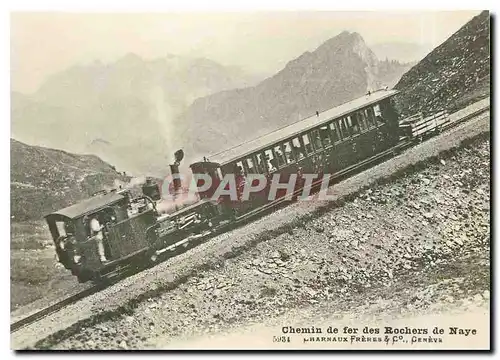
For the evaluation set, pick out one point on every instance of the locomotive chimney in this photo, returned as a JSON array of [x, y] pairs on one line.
[[174, 169]]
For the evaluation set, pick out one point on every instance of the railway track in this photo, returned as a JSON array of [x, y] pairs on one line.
[[190, 242]]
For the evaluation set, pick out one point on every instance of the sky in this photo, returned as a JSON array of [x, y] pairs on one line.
[[261, 42]]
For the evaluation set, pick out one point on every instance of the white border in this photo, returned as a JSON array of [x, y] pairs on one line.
[[184, 5]]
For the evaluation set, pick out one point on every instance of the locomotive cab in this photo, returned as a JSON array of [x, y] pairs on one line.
[[127, 229], [211, 169]]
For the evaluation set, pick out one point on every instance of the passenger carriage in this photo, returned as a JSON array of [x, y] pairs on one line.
[[323, 143], [143, 227]]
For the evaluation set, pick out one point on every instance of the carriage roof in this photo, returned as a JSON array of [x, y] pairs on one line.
[[87, 206], [294, 129]]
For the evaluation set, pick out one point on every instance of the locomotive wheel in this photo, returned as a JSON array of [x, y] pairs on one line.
[[84, 276], [96, 276], [151, 256]]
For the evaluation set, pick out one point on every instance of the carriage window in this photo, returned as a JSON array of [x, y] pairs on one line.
[[348, 122], [289, 158], [61, 228], [250, 167], [325, 136], [271, 162], [348, 125], [307, 144], [378, 115], [354, 123], [239, 167], [261, 164], [362, 121], [370, 118], [297, 149], [343, 127], [338, 125], [279, 155], [245, 166], [335, 132], [316, 140]]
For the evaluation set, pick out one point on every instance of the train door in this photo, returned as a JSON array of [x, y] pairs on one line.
[[383, 137], [364, 143], [333, 165], [353, 128], [307, 162], [318, 159], [343, 149], [390, 117], [256, 164], [286, 166]]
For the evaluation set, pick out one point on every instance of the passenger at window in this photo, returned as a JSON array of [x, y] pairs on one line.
[[288, 153], [273, 165], [261, 165], [279, 156], [317, 140], [299, 153], [239, 180]]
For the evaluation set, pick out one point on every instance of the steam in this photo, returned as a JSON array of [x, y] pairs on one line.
[[134, 182], [164, 115]]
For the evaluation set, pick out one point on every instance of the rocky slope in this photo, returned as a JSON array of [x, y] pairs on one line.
[[128, 297], [420, 241], [339, 70], [113, 109], [44, 180], [454, 74]]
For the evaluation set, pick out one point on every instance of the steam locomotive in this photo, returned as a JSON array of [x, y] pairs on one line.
[[233, 183]]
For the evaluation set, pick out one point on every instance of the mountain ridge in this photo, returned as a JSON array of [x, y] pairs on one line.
[[44, 180], [135, 114], [128, 103], [453, 75], [339, 70]]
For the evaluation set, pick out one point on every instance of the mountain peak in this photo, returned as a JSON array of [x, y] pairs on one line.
[[339, 70], [343, 42], [348, 34]]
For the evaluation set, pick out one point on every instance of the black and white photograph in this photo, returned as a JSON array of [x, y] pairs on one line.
[[250, 180]]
